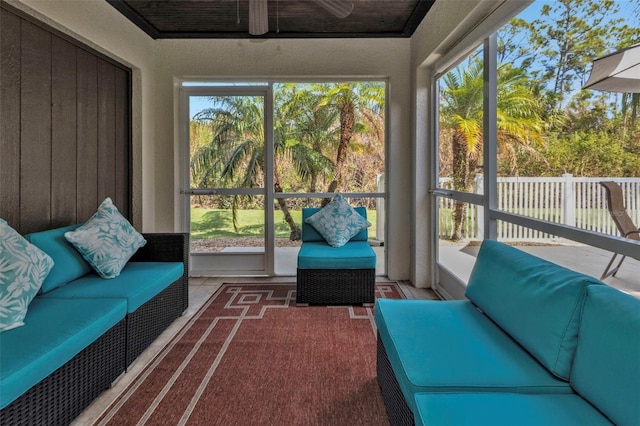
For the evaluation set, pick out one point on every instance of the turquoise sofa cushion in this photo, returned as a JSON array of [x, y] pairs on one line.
[[606, 370], [537, 302], [320, 255], [56, 330], [68, 263], [138, 283], [438, 346], [506, 409], [309, 233]]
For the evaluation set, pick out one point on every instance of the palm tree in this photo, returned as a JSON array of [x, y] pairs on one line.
[[306, 130], [235, 154], [518, 121], [358, 104], [311, 118]]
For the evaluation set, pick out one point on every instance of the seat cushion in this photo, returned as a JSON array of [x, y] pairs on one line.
[[138, 283], [438, 346], [607, 366], [69, 264], [537, 302], [505, 409], [56, 330], [320, 255]]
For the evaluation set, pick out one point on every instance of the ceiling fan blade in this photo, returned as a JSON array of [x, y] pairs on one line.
[[338, 8], [258, 17]]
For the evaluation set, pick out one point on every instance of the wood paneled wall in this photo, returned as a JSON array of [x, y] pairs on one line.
[[65, 127]]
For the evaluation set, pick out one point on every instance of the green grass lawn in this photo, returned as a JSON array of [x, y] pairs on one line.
[[216, 223]]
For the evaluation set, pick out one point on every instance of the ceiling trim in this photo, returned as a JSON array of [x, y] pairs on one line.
[[418, 14], [134, 17], [416, 17]]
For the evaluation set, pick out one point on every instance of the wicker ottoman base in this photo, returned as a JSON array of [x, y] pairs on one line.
[[399, 412], [335, 286]]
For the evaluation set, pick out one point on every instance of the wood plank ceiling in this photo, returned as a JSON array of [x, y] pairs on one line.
[[287, 18]]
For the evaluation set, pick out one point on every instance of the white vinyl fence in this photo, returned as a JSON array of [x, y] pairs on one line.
[[574, 201]]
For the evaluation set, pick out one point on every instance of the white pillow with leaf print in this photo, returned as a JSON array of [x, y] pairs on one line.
[[23, 269], [338, 222], [107, 240]]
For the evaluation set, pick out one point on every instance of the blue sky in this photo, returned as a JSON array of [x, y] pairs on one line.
[[629, 11]]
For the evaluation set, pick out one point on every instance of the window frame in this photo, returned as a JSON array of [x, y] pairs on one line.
[[445, 281]]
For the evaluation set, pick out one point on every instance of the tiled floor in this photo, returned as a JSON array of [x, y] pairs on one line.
[[200, 290]]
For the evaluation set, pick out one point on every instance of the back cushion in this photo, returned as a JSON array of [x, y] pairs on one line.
[[69, 264], [309, 233], [537, 302], [606, 369]]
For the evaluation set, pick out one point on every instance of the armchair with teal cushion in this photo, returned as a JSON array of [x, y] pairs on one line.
[[334, 275]]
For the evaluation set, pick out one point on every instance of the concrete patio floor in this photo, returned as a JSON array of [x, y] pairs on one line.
[[460, 258]]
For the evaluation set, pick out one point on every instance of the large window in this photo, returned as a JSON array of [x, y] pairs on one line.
[[523, 164]]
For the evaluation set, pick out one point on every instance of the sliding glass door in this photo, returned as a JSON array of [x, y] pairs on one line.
[[328, 137], [255, 154], [227, 175]]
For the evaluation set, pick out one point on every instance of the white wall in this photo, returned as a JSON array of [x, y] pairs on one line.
[[157, 64]]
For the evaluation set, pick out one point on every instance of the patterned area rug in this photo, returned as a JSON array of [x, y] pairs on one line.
[[251, 357]]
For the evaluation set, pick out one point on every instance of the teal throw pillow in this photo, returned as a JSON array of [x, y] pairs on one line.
[[23, 269], [107, 240], [338, 222]]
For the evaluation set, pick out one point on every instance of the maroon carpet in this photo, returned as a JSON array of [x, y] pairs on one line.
[[251, 357]]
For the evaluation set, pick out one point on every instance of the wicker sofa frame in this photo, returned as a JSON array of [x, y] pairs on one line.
[[399, 412], [152, 318], [335, 286], [64, 394]]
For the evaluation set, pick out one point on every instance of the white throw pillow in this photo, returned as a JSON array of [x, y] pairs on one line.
[[107, 240], [338, 222], [23, 269]]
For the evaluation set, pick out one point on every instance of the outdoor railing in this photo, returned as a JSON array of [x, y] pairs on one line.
[[569, 200]]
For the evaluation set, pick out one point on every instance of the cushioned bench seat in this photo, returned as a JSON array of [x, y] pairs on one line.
[[607, 354], [153, 292], [138, 283], [82, 331], [56, 331], [459, 350], [506, 409], [320, 255], [536, 344]]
